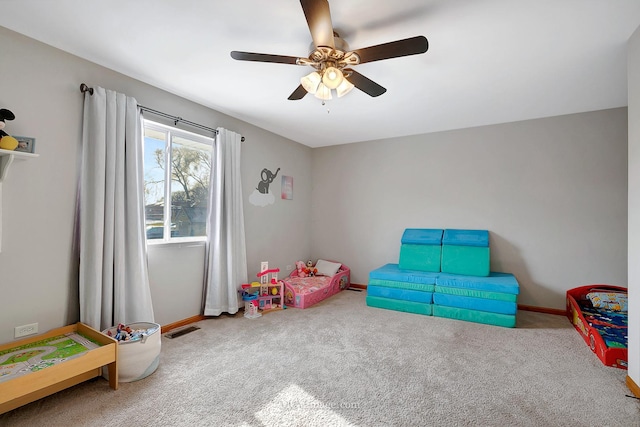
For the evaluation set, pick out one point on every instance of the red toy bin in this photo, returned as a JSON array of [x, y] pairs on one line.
[[610, 356]]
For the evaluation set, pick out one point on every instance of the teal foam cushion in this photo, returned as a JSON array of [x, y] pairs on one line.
[[466, 237], [500, 296], [467, 260], [422, 287], [422, 236], [420, 257], [400, 294], [394, 272], [399, 305], [495, 282], [497, 319], [479, 304]]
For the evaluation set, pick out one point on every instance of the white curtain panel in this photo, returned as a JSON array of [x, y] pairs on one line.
[[114, 281], [226, 249]]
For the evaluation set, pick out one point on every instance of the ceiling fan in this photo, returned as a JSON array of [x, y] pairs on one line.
[[331, 58]]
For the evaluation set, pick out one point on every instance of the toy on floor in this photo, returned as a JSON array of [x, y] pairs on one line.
[[264, 296], [251, 306], [445, 273], [303, 291], [598, 312]]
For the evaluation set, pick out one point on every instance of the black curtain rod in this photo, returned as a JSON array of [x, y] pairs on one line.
[[84, 88]]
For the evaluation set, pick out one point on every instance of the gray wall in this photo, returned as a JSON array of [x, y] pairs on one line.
[[552, 192], [38, 282], [634, 206]]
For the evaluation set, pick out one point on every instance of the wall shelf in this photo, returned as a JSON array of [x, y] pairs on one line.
[[7, 157]]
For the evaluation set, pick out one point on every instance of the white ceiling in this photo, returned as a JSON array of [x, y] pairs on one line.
[[489, 61]]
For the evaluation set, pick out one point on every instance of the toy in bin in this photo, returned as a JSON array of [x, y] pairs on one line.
[[139, 346], [126, 333]]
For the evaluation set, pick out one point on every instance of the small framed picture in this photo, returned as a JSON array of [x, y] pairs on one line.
[[26, 144], [287, 187]]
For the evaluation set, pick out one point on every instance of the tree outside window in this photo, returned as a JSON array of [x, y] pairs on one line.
[[182, 159]]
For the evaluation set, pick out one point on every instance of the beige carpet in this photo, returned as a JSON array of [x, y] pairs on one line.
[[341, 363]]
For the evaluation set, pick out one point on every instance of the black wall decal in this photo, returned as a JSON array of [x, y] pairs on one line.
[[267, 178]]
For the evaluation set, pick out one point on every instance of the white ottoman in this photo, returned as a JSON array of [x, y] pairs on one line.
[[140, 357]]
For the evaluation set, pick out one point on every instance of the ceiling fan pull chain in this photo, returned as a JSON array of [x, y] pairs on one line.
[[325, 103]]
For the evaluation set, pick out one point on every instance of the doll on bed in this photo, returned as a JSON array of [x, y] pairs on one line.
[[306, 270]]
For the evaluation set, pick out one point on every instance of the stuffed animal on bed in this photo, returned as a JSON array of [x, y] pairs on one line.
[[310, 270], [306, 270], [302, 269]]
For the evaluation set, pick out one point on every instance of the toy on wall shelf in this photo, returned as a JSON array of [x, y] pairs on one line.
[[7, 142]]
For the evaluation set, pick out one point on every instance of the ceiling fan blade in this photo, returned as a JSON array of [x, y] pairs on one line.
[[366, 85], [319, 20], [406, 47], [299, 93], [264, 57]]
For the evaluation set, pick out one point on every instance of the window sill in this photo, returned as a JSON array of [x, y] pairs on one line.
[[176, 242]]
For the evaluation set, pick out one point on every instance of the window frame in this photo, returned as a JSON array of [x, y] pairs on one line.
[[171, 132]]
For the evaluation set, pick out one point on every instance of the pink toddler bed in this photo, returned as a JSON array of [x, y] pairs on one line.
[[303, 292]]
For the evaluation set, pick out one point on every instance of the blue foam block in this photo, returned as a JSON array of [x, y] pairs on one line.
[[393, 272], [401, 294], [494, 282], [422, 236], [479, 304], [466, 237]]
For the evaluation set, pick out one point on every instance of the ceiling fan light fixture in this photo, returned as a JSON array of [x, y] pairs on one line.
[[332, 77], [311, 81], [332, 58], [344, 88], [323, 92]]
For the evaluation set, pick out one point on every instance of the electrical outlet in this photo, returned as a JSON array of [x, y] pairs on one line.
[[24, 330], [289, 267]]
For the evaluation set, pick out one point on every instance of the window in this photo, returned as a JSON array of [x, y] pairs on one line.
[[177, 165]]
